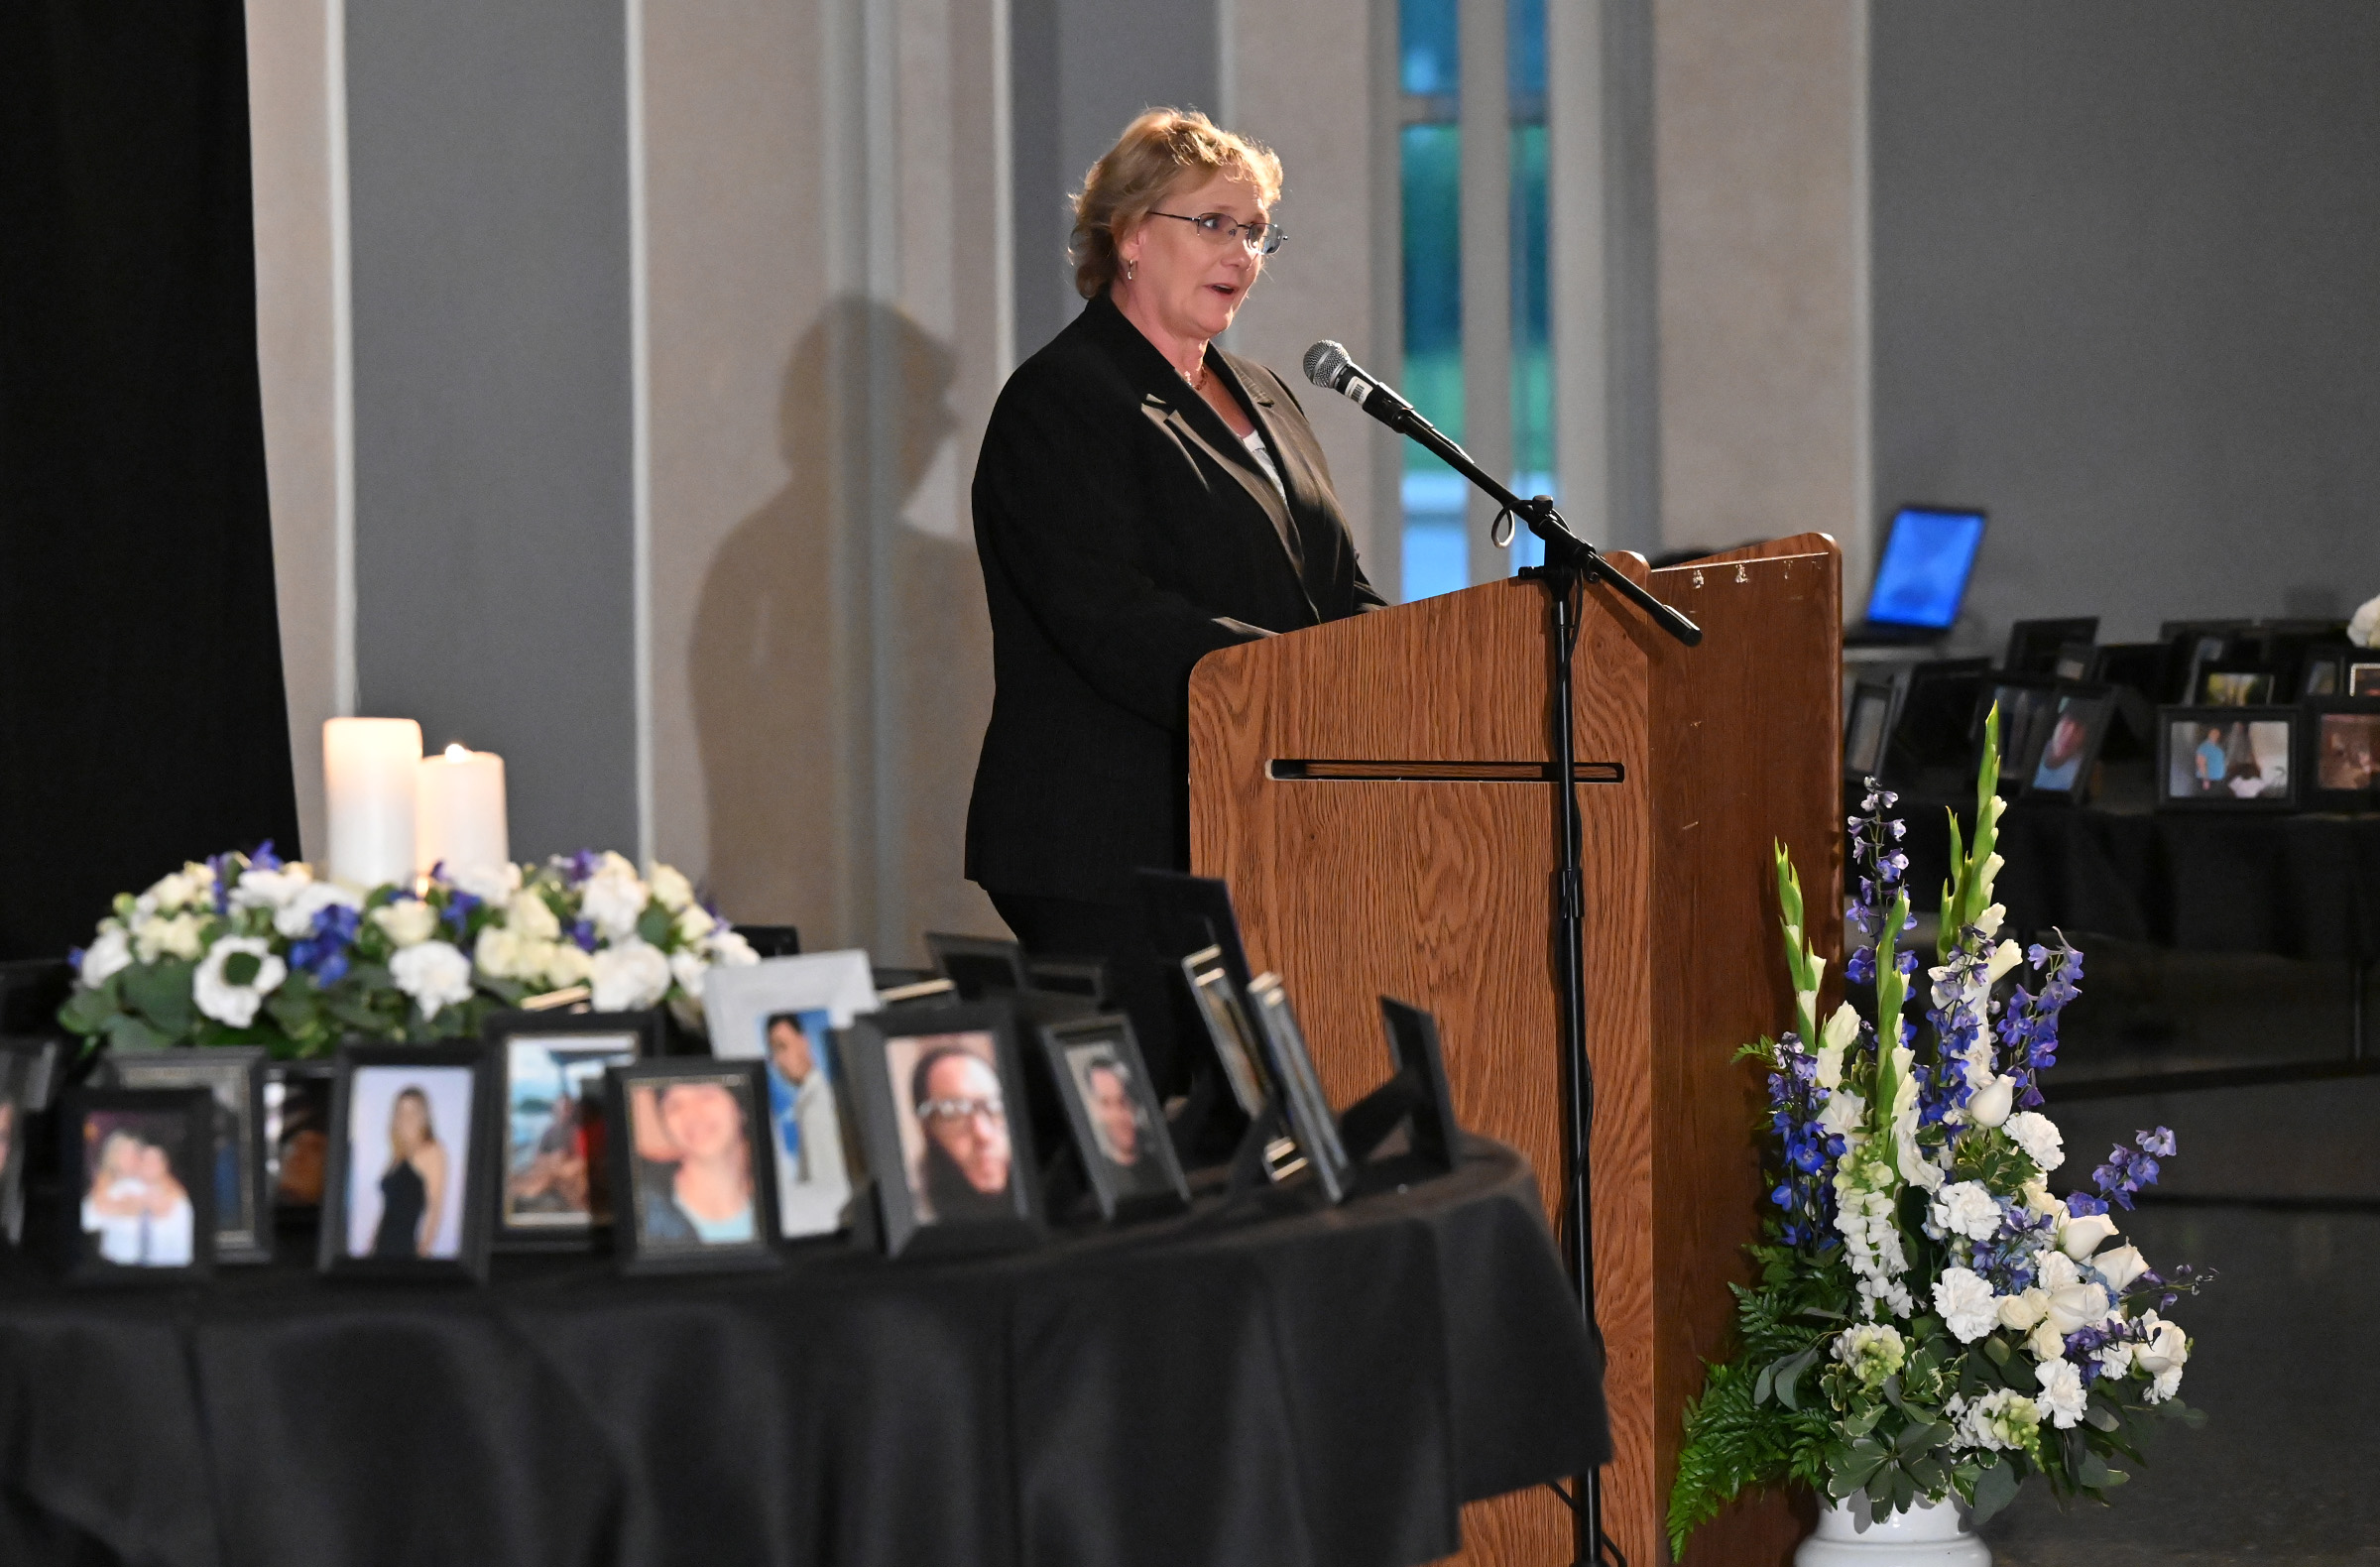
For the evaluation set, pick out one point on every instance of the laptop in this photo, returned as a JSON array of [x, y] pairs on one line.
[[1921, 579]]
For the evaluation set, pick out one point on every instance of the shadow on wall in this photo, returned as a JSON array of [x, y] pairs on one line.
[[785, 685]]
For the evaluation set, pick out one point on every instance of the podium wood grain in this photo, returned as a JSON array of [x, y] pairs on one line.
[[1440, 893]]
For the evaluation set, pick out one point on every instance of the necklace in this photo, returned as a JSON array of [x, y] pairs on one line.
[[1197, 382]]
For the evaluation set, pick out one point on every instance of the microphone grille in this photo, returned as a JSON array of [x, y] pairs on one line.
[[1324, 361]]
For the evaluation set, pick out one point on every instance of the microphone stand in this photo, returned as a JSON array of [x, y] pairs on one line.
[[1570, 564]]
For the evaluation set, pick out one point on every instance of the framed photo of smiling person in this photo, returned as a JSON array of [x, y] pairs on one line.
[[939, 1097], [1118, 1126], [693, 1187], [405, 1194]]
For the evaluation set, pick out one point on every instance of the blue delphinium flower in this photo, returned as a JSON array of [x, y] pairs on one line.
[[1881, 866], [458, 917], [583, 934], [2127, 1172], [323, 950]]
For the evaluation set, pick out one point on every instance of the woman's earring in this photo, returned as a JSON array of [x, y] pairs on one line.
[[1129, 268]]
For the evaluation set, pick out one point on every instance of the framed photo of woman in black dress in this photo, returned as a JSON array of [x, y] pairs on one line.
[[405, 1194]]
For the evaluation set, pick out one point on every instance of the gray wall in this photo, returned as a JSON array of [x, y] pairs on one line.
[[1082, 69], [2127, 296], [493, 552]]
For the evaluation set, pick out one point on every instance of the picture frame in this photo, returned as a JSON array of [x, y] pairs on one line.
[[41, 1058], [938, 1099], [549, 1138], [1118, 1125], [2363, 678], [2249, 746], [1311, 1120], [1187, 913], [1933, 726], [692, 1140], [2197, 650], [2234, 688], [138, 1204], [27, 1070], [2341, 762], [978, 966], [406, 1191], [1229, 1027], [784, 1015], [2323, 674], [2079, 720], [2034, 645], [298, 1131], [2028, 707], [1867, 727], [234, 1078], [1419, 1057]]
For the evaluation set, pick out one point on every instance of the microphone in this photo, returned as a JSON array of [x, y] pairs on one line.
[[1329, 368]]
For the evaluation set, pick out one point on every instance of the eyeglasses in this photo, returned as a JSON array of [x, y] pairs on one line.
[[1265, 238], [961, 1108]]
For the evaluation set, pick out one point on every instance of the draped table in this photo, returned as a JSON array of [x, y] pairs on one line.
[[1259, 1383]]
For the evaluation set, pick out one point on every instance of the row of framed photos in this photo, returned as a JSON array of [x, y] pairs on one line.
[[908, 1123]]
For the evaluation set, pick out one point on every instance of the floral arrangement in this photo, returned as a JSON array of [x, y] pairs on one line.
[[252, 949], [1930, 1319], [2364, 629]]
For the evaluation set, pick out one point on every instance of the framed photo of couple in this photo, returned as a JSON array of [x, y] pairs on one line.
[[938, 1097], [139, 1189], [234, 1080]]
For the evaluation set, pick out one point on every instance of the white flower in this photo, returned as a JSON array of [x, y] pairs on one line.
[[1966, 1208], [1999, 1421], [177, 937], [629, 976], [1834, 1039], [2115, 1359], [270, 888], [1992, 867], [296, 919], [613, 898], [110, 954], [566, 964], [2056, 1270], [176, 889], [2039, 1200], [2364, 630], [498, 953], [1965, 1300], [2040, 1138], [2046, 1344], [2079, 1306], [1988, 923], [2007, 957], [2061, 1395], [490, 884], [1989, 1106], [695, 922], [2085, 1234], [2120, 1266], [2161, 1357], [407, 921], [1844, 1113], [729, 949], [670, 888], [1873, 1350], [435, 973], [235, 1001], [2023, 1313], [531, 918], [687, 968]]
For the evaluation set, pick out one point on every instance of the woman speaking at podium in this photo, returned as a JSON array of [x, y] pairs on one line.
[[1142, 499]]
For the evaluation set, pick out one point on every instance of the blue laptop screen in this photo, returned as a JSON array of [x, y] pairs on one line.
[[1922, 579]]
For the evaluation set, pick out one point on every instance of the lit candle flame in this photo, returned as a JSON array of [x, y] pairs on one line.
[[458, 752]]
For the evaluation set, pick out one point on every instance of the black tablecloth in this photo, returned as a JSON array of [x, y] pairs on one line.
[[1269, 1385], [2297, 886]]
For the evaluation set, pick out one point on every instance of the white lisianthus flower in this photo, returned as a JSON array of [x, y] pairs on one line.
[[230, 1000], [175, 938], [729, 949], [671, 890], [407, 921], [566, 965], [2002, 1420], [531, 918], [1989, 1106], [695, 922], [490, 884], [2023, 1313], [108, 955], [629, 976], [498, 953], [435, 974], [613, 898], [1873, 1350], [1966, 1302], [2040, 1138], [1844, 1113], [1966, 1208], [2047, 1344], [2008, 956], [2364, 629], [296, 918], [270, 888], [2160, 1357], [2061, 1396], [2085, 1234], [2120, 1266]]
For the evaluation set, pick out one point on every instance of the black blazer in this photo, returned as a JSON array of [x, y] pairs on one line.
[[1124, 534]]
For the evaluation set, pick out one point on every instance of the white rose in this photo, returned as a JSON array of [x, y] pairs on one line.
[[695, 922], [2085, 1234], [2040, 1138], [1965, 1301], [670, 888], [498, 953], [566, 965], [1966, 1208], [2046, 1344], [236, 1004], [629, 976], [296, 919], [176, 890], [2120, 1266], [2364, 630], [2008, 956], [435, 974], [270, 888], [2023, 1313], [729, 949], [2061, 1396], [407, 921], [2078, 1306], [531, 918], [490, 884], [1989, 1106], [613, 898], [109, 954], [2039, 1200], [2161, 1357], [177, 937]]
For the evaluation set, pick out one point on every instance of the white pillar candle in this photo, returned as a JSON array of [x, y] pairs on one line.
[[458, 812], [368, 768]]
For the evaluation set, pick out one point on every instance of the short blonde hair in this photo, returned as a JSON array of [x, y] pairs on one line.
[[1158, 151]]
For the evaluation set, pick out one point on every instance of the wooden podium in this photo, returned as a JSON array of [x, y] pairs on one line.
[[1376, 793]]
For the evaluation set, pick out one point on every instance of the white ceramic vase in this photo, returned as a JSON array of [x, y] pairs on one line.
[[1931, 1534]]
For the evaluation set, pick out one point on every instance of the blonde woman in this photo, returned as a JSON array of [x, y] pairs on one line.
[[1142, 499], [413, 1189]]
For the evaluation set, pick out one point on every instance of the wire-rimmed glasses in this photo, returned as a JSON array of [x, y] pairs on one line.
[[1264, 238]]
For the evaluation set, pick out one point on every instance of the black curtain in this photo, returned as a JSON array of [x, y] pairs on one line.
[[142, 720]]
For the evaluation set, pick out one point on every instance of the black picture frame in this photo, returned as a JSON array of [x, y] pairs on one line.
[[884, 1057], [27, 1069], [1097, 1064], [1229, 1029], [2080, 719], [579, 1048], [1311, 1120], [176, 1123], [2362, 678], [2234, 688], [1867, 729], [235, 1078], [44, 1059], [297, 1131], [2341, 741], [1933, 725], [367, 1082], [649, 1233], [2034, 645], [1188, 914], [2028, 707], [978, 966], [1420, 1058], [2183, 791]]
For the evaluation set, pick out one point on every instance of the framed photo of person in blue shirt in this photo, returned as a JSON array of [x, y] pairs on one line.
[[694, 1186], [2069, 753], [2228, 759]]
